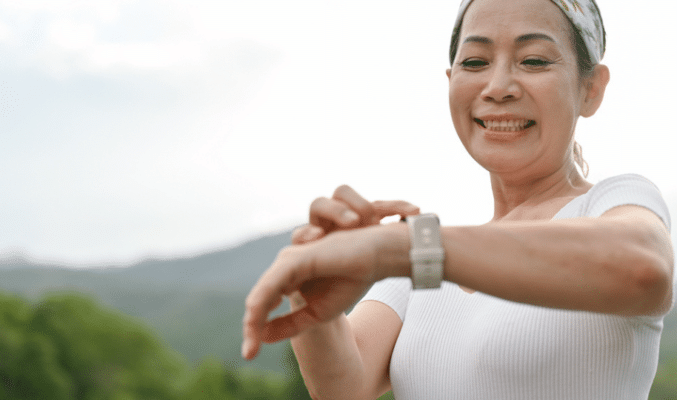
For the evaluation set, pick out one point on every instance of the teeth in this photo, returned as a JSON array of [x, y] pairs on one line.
[[507, 126]]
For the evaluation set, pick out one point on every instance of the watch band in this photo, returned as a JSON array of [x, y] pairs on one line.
[[426, 254]]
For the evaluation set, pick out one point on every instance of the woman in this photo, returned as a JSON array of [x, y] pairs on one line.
[[560, 296]]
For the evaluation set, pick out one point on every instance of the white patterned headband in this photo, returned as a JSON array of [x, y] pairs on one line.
[[585, 16]]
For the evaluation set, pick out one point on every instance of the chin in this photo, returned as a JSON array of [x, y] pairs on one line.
[[500, 161]]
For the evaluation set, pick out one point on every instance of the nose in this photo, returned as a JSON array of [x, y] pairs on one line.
[[501, 85]]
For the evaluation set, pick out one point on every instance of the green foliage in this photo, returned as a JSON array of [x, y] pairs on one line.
[[28, 360], [69, 347], [665, 385], [210, 380]]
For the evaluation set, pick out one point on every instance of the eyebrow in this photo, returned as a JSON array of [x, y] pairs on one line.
[[520, 39], [534, 36]]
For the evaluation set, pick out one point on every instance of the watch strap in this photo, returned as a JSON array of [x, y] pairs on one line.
[[426, 254]]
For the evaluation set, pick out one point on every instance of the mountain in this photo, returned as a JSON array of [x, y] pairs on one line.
[[195, 303]]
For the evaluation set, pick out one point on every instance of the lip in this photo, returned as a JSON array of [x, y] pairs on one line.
[[504, 136]]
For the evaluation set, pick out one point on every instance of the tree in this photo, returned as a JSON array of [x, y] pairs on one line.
[[69, 347], [105, 351], [29, 367]]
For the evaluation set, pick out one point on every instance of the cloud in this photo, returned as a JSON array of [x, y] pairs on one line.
[[164, 41], [70, 35], [64, 38], [104, 10], [5, 32]]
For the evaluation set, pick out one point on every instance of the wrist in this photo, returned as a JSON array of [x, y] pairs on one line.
[[392, 251]]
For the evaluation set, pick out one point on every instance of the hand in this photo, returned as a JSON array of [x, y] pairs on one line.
[[347, 210], [330, 274]]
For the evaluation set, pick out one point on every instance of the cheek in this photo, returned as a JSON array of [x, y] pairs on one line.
[[462, 93], [557, 100]]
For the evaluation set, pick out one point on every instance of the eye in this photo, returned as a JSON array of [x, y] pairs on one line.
[[536, 62], [474, 63]]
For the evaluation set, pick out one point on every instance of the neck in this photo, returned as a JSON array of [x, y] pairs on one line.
[[515, 195]]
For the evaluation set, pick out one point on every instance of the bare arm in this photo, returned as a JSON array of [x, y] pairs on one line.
[[620, 263], [348, 357]]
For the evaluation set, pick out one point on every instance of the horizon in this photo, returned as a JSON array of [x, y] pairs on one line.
[[20, 257]]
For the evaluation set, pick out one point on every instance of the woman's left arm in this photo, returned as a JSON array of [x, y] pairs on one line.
[[619, 263]]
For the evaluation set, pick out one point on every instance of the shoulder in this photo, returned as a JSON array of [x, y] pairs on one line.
[[624, 180], [626, 189], [393, 292]]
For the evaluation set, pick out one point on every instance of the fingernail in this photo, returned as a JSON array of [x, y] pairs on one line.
[[349, 217]]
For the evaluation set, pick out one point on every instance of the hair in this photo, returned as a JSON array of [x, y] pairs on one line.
[[586, 68]]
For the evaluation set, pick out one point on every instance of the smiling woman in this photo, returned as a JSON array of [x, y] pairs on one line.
[[568, 32], [530, 68], [561, 295]]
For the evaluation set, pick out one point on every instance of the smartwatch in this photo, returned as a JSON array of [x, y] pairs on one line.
[[426, 254]]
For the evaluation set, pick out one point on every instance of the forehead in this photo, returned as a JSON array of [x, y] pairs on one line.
[[512, 18]]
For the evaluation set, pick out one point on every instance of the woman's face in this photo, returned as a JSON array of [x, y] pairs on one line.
[[514, 92]]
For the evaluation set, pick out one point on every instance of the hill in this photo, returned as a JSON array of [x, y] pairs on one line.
[[194, 303]]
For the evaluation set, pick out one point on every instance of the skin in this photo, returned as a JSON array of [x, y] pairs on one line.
[[622, 261]]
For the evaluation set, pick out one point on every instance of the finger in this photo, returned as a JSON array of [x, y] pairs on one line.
[[250, 337], [259, 303], [356, 203], [283, 277], [253, 324], [306, 233], [386, 208], [288, 325], [332, 214]]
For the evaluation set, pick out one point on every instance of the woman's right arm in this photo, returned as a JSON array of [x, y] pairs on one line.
[[349, 356]]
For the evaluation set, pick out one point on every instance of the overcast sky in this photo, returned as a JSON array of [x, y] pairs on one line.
[[131, 129]]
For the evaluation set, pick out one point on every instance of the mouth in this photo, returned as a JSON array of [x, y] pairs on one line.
[[506, 125]]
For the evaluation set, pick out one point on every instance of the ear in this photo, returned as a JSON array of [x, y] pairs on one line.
[[595, 87], [449, 73]]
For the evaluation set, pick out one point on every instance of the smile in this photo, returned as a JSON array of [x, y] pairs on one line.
[[506, 126]]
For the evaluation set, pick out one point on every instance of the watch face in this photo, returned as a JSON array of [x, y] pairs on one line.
[[425, 231]]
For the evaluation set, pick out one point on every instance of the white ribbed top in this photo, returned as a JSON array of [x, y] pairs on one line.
[[455, 345]]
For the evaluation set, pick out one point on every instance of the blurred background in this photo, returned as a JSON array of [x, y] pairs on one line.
[[143, 136]]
